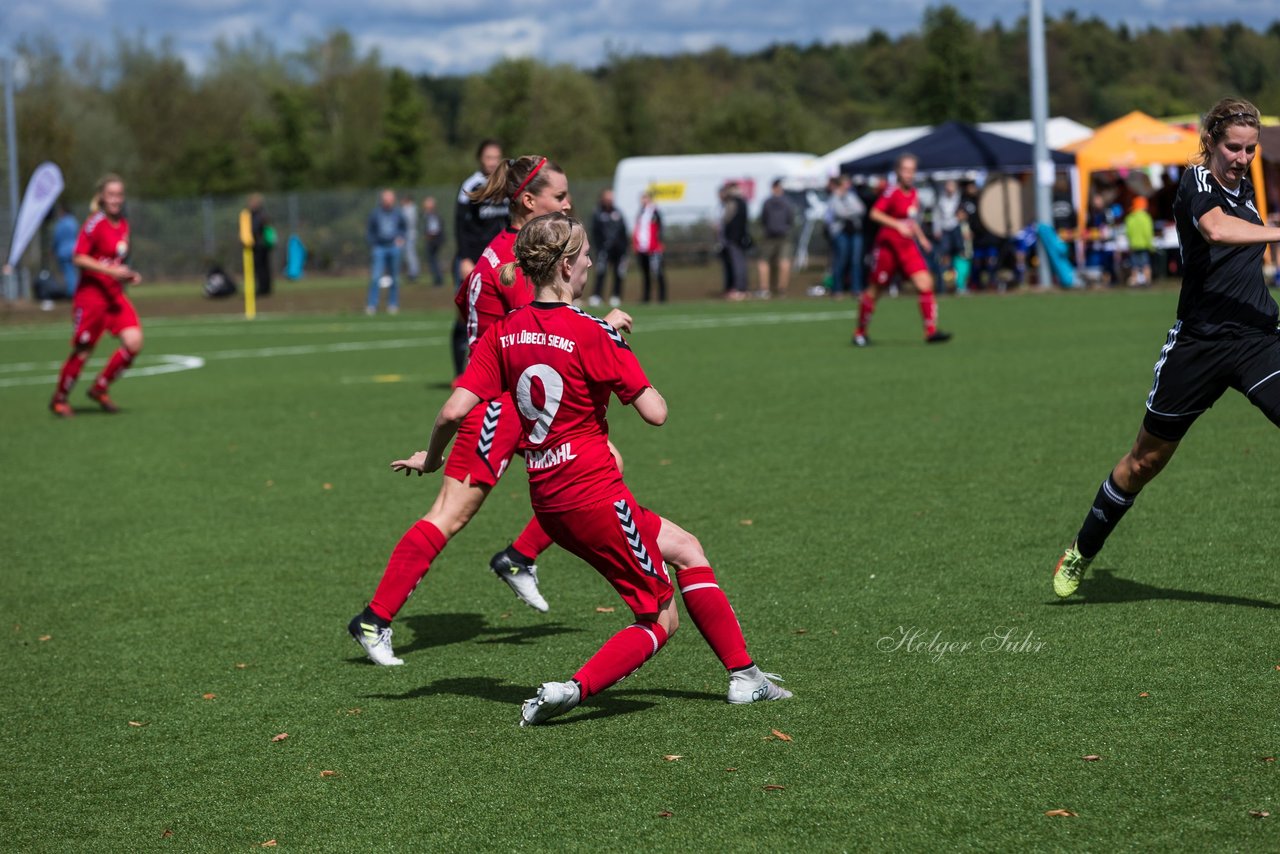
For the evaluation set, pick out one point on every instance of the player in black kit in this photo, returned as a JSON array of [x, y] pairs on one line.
[[1225, 335]]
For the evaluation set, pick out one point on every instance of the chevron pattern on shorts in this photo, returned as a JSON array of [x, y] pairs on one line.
[[489, 428], [632, 533]]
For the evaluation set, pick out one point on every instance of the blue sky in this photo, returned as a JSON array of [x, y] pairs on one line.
[[461, 36]]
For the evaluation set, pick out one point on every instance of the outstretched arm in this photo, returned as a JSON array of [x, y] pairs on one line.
[[451, 414]]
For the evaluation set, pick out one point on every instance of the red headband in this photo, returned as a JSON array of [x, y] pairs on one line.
[[525, 183]]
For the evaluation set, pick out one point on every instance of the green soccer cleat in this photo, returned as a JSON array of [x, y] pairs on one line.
[[1070, 571]]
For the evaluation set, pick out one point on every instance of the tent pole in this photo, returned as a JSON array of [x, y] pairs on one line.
[[1044, 171]]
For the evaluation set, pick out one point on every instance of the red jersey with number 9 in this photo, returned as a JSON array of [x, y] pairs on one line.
[[560, 364]]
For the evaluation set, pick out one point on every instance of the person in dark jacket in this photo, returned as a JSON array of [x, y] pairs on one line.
[[609, 239]]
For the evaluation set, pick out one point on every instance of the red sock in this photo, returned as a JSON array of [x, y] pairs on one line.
[[620, 656], [866, 307], [70, 373], [532, 541], [713, 615], [929, 312], [409, 561], [116, 365]]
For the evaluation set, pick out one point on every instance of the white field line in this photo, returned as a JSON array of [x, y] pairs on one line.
[[171, 363]]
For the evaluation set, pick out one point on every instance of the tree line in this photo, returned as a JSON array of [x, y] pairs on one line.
[[330, 116]]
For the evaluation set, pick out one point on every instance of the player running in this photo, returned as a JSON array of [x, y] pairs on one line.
[[1225, 334], [562, 365], [895, 251], [100, 304], [489, 434]]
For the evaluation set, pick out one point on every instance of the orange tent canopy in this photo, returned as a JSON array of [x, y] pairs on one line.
[[1136, 141]]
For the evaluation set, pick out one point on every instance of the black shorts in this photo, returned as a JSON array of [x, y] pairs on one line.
[[1192, 373]]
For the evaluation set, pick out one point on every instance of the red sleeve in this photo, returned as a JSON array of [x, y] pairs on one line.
[[483, 375], [882, 203], [84, 243], [612, 363]]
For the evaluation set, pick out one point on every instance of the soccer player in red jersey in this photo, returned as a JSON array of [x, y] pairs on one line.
[[895, 251], [489, 434], [562, 365], [100, 304]]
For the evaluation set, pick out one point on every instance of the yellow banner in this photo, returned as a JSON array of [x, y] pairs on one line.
[[672, 191]]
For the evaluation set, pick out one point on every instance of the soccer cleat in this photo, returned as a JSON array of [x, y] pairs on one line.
[[938, 337], [1070, 571], [861, 340], [61, 408], [102, 399], [522, 578], [554, 698], [375, 640], [753, 686]]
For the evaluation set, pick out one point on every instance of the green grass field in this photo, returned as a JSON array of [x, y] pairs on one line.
[[215, 538]]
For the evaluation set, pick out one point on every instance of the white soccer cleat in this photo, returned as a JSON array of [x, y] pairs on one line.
[[375, 641], [554, 698], [522, 578], [753, 686]]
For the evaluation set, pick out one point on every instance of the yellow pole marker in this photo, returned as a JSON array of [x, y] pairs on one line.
[[250, 287]]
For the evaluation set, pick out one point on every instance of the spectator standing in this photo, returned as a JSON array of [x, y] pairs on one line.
[[647, 241], [412, 264], [777, 217], [1099, 254], [264, 240], [735, 240], [385, 234], [432, 239], [65, 231], [1141, 232], [846, 215], [948, 236], [609, 238]]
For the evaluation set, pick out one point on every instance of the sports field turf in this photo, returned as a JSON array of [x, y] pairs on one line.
[[177, 580]]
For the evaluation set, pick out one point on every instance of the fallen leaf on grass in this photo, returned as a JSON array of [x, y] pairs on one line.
[[746, 522], [1060, 813], [1268, 759], [664, 462], [167, 833], [1144, 695], [271, 483], [270, 843], [1259, 813], [780, 735], [281, 737], [604, 610], [210, 696], [17, 627], [353, 711], [800, 632], [328, 773], [240, 665], [136, 723], [328, 486], [505, 615], [672, 757], [665, 814], [774, 788], [731, 770], [43, 638], [1092, 757]]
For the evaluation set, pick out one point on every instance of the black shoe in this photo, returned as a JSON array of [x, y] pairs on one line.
[[938, 337]]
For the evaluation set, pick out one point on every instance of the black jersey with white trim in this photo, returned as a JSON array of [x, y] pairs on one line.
[[476, 223], [1224, 291]]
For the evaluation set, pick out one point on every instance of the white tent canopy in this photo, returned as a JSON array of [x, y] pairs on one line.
[[1060, 131]]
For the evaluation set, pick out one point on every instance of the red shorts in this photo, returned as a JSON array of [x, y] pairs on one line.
[[485, 443], [896, 257], [93, 314], [620, 539]]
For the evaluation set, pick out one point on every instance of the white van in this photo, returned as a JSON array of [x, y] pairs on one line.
[[686, 187]]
